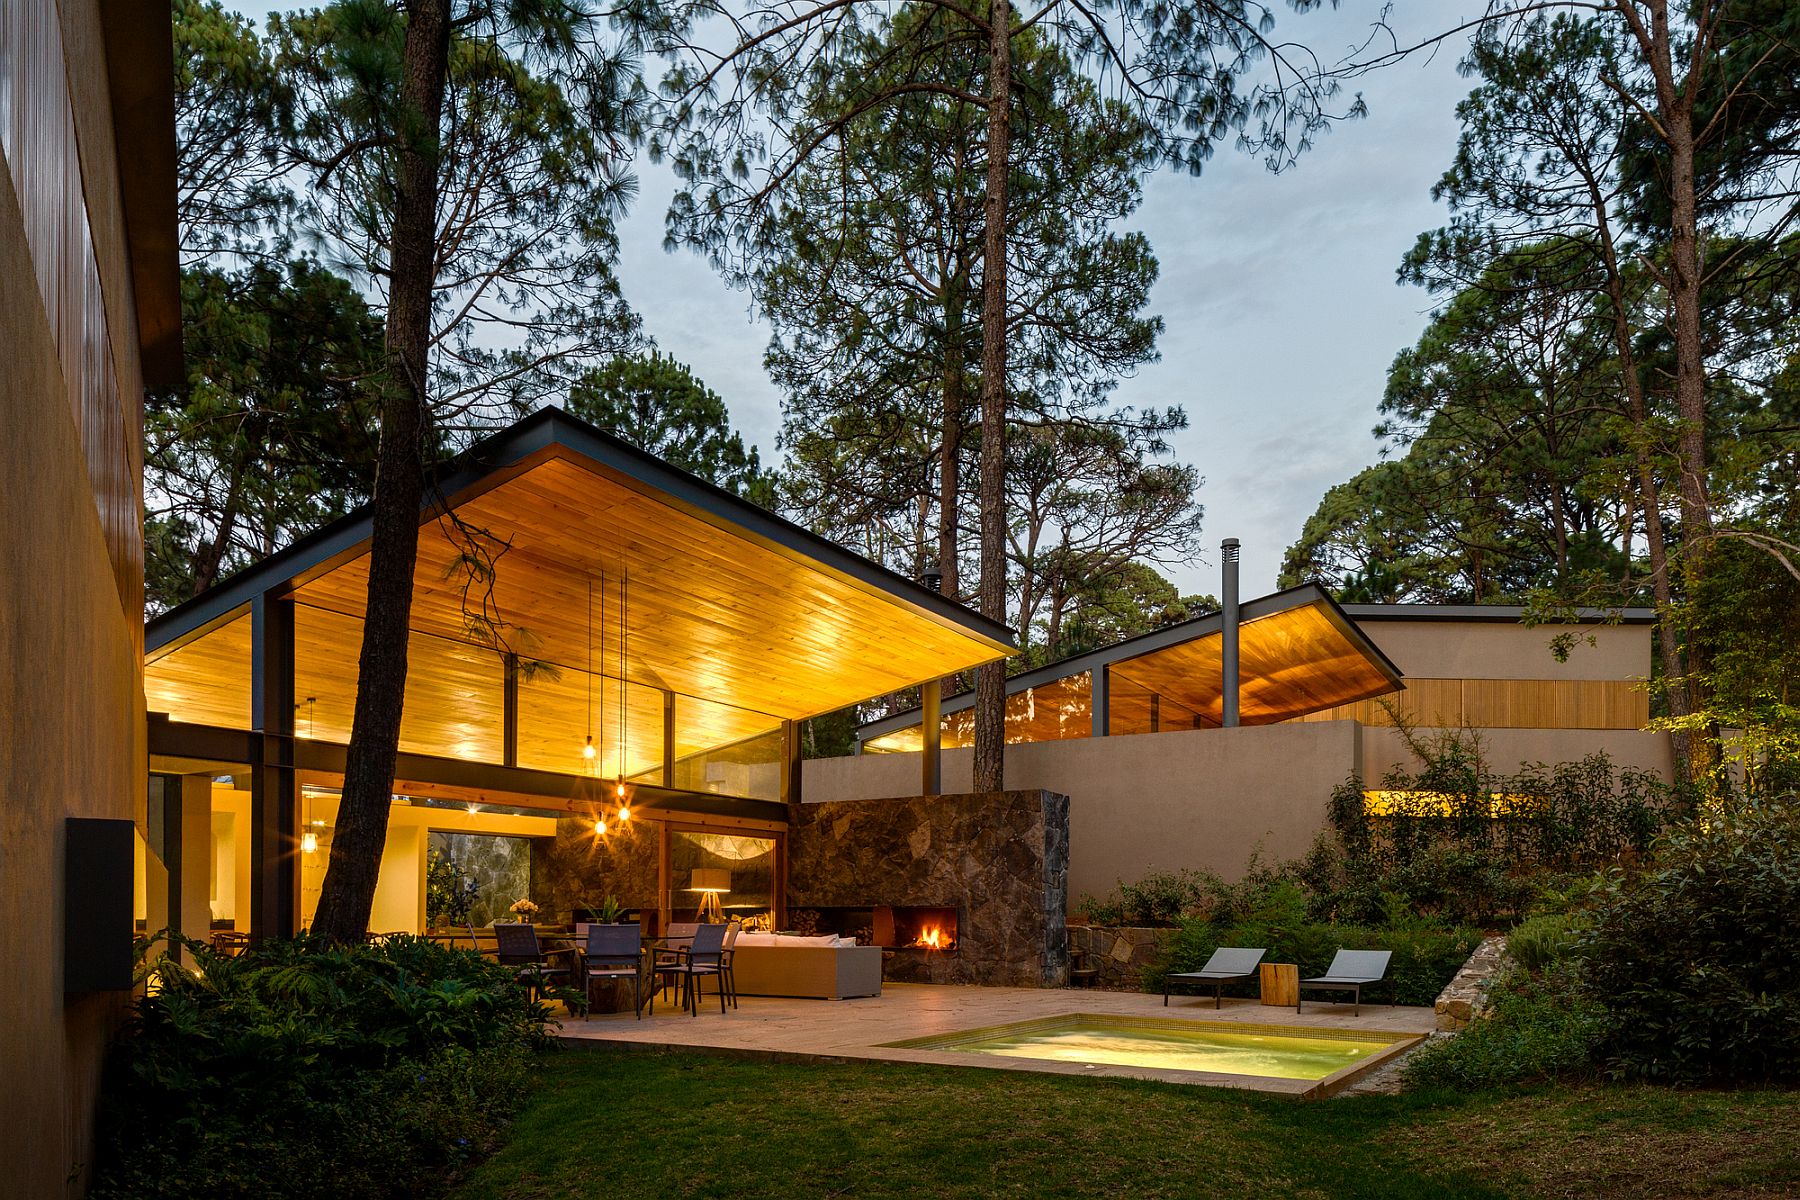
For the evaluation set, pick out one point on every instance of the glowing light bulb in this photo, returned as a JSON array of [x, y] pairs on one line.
[[588, 750], [600, 827], [309, 842], [624, 813]]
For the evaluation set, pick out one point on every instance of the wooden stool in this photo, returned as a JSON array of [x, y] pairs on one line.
[[1280, 984]]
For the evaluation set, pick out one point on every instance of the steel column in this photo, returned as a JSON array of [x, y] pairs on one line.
[[931, 758], [274, 794]]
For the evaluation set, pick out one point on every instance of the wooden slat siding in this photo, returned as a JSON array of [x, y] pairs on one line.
[[710, 614], [1508, 704], [207, 681], [43, 156]]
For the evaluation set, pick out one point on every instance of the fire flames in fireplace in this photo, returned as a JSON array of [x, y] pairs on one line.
[[918, 927]]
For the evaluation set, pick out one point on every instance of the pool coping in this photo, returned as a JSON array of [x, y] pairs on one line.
[[1400, 1042]]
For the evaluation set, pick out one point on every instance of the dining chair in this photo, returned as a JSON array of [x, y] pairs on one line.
[[518, 948], [668, 953], [727, 976], [614, 952], [702, 959]]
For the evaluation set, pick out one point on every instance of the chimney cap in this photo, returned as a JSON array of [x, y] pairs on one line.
[[1230, 548]]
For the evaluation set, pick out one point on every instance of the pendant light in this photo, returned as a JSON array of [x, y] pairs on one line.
[[589, 751], [624, 706]]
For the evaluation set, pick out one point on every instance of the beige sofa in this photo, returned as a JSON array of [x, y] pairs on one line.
[[767, 964]]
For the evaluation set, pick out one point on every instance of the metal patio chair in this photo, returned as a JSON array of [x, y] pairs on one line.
[[1350, 971], [1228, 964], [614, 952], [704, 958]]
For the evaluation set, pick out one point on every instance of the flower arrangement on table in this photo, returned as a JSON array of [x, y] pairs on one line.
[[524, 910]]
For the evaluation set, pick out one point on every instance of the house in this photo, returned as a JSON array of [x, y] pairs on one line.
[[608, 664], [89, 316], [1158, 778]]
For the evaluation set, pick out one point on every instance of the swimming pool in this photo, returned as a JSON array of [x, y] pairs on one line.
[[1218, 1048]]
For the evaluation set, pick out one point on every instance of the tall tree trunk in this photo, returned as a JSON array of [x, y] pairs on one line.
[[1675, 113], [1656, 547], [950, 455], [990, 680], [349, 888]]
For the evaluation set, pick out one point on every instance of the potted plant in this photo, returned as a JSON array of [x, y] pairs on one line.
[[611, 911]]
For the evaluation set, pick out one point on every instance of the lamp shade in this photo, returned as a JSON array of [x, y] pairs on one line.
[[709, 879]]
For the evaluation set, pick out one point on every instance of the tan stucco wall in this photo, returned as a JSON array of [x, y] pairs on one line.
[[71, 692], [1509, 749], [1149, 802], [1498, 650]]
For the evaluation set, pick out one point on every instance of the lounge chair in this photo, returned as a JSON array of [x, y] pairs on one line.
[[1349, 971], [1228, 964]]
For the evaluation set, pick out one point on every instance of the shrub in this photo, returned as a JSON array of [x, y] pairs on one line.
[[1534, 1028], [299, 1069], [1694, 959], [1159, 898], [1427, 954], [1543, 942], [1480, 848]]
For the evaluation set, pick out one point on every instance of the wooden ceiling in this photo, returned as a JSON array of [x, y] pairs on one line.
[[740, 632], [205, 681], [706, 612], [1290, 663]]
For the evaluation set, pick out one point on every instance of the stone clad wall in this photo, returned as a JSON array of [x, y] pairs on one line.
[[1002, 859], [576, 870]]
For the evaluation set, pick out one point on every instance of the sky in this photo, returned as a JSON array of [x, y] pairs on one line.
[[1277, 291]]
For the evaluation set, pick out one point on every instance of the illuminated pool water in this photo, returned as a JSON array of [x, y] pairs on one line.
[[1223, 1049]]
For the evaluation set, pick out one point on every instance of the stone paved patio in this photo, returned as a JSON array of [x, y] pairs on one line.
[[825, 1030]]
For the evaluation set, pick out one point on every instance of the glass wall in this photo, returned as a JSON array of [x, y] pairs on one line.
[[454, 690], [743, 867]]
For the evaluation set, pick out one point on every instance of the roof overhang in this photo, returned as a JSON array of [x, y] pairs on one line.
[[698, 593], [140, 76], [1299, 653]]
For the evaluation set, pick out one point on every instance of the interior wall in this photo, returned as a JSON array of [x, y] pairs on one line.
[[399, 904]]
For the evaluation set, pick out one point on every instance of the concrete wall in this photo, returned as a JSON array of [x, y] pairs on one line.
[[71, 611], [1207, 798], [1160, 801], [1502, 650]]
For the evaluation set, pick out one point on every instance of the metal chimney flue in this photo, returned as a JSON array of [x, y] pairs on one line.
[[1228, 645]]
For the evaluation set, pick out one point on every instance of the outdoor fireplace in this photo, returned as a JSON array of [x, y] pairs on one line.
[[916, 927]]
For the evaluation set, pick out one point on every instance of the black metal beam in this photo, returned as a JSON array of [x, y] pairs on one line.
[[274, 793], [509, 712], [931, 761], [176, 739]]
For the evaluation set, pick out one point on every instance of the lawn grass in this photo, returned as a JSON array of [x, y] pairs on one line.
[[677, 1125]]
